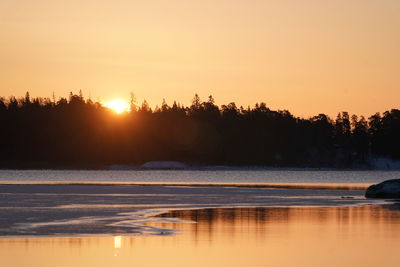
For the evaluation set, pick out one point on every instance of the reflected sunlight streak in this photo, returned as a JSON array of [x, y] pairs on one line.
[[367, 236], [117, 242]]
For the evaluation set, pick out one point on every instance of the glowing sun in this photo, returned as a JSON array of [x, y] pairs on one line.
[[117, 105]]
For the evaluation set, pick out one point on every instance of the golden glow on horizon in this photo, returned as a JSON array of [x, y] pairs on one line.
[[118, 106], [307, 56]]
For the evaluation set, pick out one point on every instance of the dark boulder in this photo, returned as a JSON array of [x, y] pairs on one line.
[[386, 189]]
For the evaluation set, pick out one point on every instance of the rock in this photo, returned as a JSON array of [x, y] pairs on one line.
[[386, 189]]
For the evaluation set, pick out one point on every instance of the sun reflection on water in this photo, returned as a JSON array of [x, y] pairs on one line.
[[117, 241], [117, 244], [313, 236]]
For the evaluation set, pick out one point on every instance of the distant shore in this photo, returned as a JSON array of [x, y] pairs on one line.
[[196, 167]]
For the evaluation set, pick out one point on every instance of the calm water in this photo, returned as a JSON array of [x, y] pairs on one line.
[[282, 236], [62, 224], [214, 176]]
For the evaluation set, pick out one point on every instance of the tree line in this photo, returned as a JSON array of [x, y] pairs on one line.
[[82, 133]]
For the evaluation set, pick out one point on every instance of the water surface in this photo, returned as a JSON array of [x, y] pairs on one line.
[[200, 176], [196, 218], [69, 209], [281, 236]]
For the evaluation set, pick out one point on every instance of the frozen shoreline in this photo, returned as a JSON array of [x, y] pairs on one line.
[[81, 209]]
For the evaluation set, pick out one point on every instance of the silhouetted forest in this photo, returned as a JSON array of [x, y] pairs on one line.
[[78, 132]]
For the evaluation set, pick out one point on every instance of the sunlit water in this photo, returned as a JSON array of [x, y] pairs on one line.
[[58, 221], [281, 236]]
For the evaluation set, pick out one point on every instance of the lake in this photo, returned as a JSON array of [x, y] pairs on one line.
[[52, 218], [286, 236], [199, 176]]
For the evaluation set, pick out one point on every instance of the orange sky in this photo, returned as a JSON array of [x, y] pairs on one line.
[[308, 56]]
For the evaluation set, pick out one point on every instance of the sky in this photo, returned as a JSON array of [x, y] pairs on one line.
[[307, 56]]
